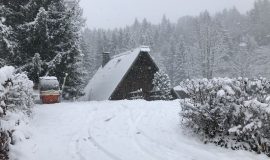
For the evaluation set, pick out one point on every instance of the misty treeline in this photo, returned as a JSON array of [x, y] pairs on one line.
[[42, 37], [227, 44]]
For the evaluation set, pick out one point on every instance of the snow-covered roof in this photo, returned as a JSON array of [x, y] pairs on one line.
[[107, 78], [180, 88], [48, 80]]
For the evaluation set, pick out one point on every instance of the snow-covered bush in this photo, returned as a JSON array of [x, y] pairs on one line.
[[5, 74], [232, 113], [16, 100], [162, 86], [20, 95], [5, 83]]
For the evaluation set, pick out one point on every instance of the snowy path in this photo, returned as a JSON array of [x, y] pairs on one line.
[[125, 130]]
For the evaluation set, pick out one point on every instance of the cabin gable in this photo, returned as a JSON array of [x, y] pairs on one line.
[[128, 75], [139, 76]]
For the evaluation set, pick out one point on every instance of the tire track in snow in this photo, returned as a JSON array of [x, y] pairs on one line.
[[74, 145], [145, 149], [101, 148], [163, 147], [98, 145], [159, 146], [74, 148], [133, 131]]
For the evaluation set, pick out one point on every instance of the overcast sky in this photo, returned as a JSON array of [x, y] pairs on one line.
[[119, 13]]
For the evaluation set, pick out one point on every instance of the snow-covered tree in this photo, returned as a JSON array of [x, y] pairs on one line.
[[260, 21], [35, 68], [210, 42], [75, 22], [245, 58], [40, 40], [7, 42], [88, 60], [47, 27], [162, 85]]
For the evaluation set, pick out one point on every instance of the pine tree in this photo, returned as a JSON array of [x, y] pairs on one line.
[[162, 85], [40, 40], [88, 60], [260, 26], [52, 30], [181, 62], [210, 43], [68, 48], [35, 68], [196, 46], [7, 44]]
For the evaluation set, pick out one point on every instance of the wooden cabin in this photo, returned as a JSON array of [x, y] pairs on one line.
[[122, 76]]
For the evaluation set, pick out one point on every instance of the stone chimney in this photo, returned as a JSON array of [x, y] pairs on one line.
[[105, 58]]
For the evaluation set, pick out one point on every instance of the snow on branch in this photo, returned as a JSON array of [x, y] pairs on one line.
[[232, 113]]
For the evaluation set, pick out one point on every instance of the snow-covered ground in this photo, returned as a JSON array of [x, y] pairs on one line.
[[124, 130]]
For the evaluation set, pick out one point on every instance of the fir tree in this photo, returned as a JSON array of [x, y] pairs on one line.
[[67, 47], [52, 30], [35, 69], [7, 43], [162, 85]]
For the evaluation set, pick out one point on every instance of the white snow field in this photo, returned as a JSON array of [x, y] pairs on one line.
[[123, 130]]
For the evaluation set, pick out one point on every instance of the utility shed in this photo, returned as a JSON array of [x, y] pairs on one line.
[[121, 75]]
